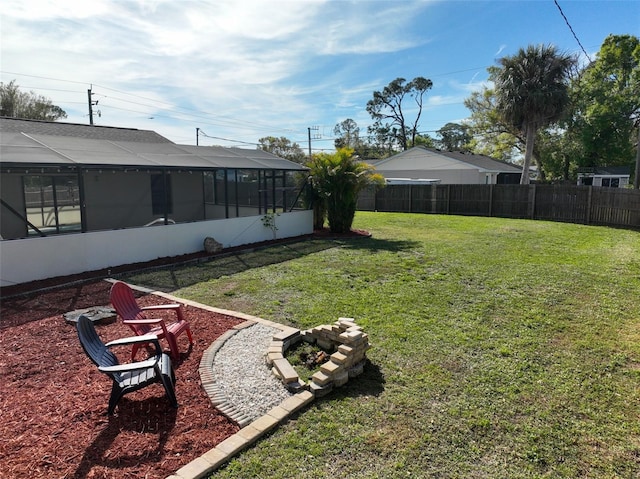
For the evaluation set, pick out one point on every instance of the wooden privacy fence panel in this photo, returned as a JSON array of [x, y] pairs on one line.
[[566, 203], [510, 201], [616, 208], [474, 200], [562, 203]]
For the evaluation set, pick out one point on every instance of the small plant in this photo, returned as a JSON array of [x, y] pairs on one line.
[[269, 221]]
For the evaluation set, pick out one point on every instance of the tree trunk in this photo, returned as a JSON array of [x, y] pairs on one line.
[[319, 213], [528, 153]]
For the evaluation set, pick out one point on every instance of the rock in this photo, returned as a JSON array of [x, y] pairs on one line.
[[211, 245], [97, 314]]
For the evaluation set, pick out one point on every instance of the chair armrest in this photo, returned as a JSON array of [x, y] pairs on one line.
[[161, 306], [146, 338], [122, 368], [143, 321], [177, 307]]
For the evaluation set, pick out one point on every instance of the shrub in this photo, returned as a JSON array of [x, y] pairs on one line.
[[337, 179]]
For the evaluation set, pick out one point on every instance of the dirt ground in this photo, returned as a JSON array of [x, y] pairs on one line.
[[53, 400]]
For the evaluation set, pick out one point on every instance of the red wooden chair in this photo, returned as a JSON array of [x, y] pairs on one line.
[[134, 316]]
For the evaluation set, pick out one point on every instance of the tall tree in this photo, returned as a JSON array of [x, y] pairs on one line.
[[491, 135], [556, 150], [454, 136], [607, 103], [391, 114], [532, 92], [347, 133], [283, 147], [423, 140], [19, 104]]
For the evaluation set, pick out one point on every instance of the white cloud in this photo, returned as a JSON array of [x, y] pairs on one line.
[[39, 10], [229, 59], [440, 100], [247, 68]]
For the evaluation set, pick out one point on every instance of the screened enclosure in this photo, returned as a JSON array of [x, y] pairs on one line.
[[55, 185]]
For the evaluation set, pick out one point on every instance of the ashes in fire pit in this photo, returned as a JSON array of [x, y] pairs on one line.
[[312, 360], [306, 359]]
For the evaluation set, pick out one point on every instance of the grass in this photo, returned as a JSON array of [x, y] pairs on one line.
[[501, 348]]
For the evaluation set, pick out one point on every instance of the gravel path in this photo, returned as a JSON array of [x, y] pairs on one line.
[[240, 370]]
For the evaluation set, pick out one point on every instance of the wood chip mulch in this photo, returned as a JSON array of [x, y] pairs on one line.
[[53, 400]]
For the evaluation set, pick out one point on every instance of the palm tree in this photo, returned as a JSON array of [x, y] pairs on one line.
[[336, 180], [532, 92]]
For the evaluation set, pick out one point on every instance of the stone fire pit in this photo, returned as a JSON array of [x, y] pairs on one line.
[[344, 337]]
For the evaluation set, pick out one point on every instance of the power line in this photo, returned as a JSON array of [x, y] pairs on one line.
[[43, 78], [202, 133], [220, 119], [571, 28]]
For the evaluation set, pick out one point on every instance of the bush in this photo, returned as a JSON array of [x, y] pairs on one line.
[[336, 180]]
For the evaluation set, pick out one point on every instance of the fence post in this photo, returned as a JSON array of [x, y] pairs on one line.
[[491, 200], [448, 198], [434, 199], [410, 198], [588, 218], [375, 200], [532, 201]]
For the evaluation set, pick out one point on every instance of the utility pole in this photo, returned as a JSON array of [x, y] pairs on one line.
[[91, 103], [315, 137], [636, 179], [197, 135], [90, 107]]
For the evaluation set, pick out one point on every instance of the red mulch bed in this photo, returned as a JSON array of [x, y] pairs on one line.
[[53, 420]]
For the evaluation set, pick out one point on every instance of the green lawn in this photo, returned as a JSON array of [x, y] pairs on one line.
[[501, 348]]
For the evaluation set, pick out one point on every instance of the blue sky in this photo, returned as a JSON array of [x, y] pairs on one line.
[[241, 70]]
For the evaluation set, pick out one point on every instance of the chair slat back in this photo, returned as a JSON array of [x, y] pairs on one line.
[[93, 346], [125, 304]]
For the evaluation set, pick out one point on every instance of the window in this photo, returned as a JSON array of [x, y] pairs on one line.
[[209, 180], [52, 203], [161, 194], [587, 181]]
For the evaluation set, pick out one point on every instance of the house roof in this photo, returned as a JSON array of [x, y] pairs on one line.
[[605, 170], [78, 130], [119, 148], [423, 159]]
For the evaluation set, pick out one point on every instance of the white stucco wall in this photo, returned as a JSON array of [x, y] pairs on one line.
[[32, 259]]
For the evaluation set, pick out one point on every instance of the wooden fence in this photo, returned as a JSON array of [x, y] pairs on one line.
[[572, 204]]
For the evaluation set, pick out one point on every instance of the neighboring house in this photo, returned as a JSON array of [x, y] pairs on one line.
[[446, 167], [77, 198], [611, 176]]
